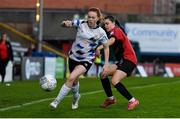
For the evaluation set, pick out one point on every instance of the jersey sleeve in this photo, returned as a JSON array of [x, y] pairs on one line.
[[117, 34], [103, 38], [111, 34], [77, 22]]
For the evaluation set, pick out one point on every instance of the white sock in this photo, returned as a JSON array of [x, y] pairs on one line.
[[75, 91], [132, 99], [62, 93], [111, 98]]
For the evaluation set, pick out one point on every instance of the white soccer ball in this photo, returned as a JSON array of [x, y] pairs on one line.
[[48, 82]]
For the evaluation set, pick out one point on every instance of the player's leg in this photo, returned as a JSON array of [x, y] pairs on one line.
[[75, 95], [1, 73], [119, 75], [1, 69], [107, 87], [76, 85], [78, 70], [75, 89], [3, 65], [124, 70]]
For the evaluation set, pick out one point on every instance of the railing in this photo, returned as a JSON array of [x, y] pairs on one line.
[[29, 39]]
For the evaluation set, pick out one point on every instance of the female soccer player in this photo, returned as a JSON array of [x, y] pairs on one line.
[[126, 64], [89, 36]]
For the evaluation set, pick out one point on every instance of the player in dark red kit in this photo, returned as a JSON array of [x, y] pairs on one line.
[[127, 61]]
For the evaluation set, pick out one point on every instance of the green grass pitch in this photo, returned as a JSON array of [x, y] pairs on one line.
[[159, 97]]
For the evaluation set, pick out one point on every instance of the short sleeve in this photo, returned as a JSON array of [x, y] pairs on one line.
[[117, 34], [103, 38]]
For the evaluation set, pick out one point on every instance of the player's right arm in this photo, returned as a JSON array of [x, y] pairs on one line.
[[68, 23]]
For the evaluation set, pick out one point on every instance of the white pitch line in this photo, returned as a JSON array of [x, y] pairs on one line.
[[153, 85], [43, 100], [87, 93]]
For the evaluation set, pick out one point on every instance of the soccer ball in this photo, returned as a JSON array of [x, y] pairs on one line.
[[48, 82]]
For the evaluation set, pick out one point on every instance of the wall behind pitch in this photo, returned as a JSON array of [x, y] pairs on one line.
[[54, 66], [49, 66], [32, 68]]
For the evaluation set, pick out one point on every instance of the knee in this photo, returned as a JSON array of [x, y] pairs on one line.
[[75, 83], [71, 79], [101, 77], [114, 82]]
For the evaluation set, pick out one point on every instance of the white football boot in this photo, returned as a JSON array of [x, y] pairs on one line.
[[54, 104], [75, 102]]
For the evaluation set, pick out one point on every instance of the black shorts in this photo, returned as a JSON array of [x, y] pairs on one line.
[[126, 66], [73, 64]]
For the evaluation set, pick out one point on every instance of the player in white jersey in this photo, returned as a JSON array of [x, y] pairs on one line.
[[89, 36]]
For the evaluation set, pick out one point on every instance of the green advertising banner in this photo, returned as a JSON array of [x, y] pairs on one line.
[[60, 68]]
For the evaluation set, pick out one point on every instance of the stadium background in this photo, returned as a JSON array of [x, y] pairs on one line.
[[18, 20]]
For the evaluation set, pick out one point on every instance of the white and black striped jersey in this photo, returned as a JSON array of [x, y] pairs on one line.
[[87, 40]]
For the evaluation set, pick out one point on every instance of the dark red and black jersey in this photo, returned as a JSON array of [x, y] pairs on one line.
[[6, 51], [122, 46], [3, 51]]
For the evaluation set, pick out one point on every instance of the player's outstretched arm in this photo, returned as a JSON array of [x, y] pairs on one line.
[[66, 23]]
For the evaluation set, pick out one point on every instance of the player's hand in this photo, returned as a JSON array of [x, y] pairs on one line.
[[66, 23]]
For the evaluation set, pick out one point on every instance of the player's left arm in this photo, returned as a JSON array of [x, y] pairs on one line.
[[106, 55], [110, 42], [106, 52]]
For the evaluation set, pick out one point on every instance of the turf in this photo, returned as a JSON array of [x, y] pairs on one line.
[[159, 97]]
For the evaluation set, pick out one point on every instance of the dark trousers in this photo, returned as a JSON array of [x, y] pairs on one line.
[[3, 64]]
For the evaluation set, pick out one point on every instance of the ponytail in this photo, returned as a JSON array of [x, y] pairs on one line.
[[120, 26]]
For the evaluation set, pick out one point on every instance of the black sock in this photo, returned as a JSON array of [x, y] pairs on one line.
[[2, 75], [122, 89], [107, 86]]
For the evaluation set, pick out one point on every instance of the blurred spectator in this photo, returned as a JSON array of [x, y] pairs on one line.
[[159, 67], [6, 54], [30, 50]]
